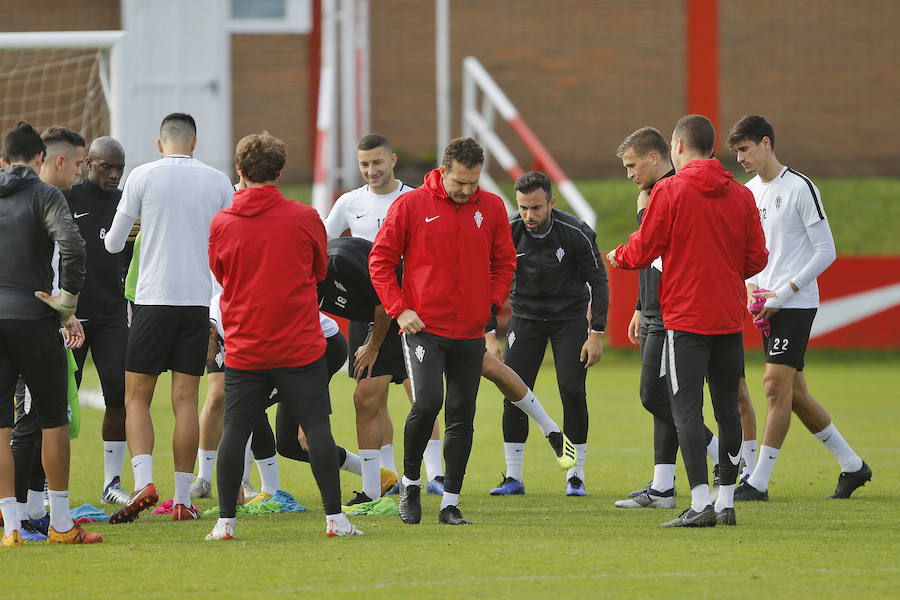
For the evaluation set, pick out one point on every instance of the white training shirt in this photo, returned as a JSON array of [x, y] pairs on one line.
[[362, 211], [789, 206], [175, 198]]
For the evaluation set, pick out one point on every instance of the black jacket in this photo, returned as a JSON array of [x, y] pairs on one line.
[[553, 272], [34, 215], [648, 279], [103, 293]]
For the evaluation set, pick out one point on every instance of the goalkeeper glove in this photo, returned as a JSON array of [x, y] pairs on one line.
[[64, 304]]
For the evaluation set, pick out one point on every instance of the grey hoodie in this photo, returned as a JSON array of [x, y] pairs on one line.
[[34, 215]]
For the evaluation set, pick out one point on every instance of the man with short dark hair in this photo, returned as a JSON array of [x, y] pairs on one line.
[[559, 273], [34, 216], [64, 162], [175, 198], [705, 227], [458, 263], [797, 232], [273, 338]]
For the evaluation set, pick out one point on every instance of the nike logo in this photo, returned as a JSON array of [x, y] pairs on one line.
[[367, 459], [209, 459], [518, 449], [825, 441], [771, 457], [430, 219], [360, 216], [270, 464], [776, 353], [518, 254], [79, 215], [110, 451], [735, 460]]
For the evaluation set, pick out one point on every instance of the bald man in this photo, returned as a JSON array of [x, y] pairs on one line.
[[102, 308]]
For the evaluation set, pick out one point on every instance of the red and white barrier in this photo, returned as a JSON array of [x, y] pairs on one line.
[[480, 125]]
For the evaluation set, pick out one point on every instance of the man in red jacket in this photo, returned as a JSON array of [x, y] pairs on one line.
[[458, 263], [706, 228], [268, 253]]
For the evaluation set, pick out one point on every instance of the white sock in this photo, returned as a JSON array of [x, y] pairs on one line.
[[60, 519], [764, 465], [35, 505], [113, 457], [663, 477], [221, 523], [578, 469], [351, 463], [143, 470], [387, 458], [22, 507], [248, 459], [531, 406], [408, 482], [182, 488], [370, 465], [449, 499], [748, 453], [340, 519], [269, 477], [700, 497], [515, 456], [10, 512], [725, 498], [206, 462], [432, 458], [848, 459], [712, 450]]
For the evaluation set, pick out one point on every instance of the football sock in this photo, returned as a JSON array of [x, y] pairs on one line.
[[206, 461], [113, 457], [60, 519], [700, 497], [748, 453], [387, 457], [182, 488], [220, 524], [351, 463], [371, 473], [143, 470], [663, 477], [270, 479], [531, 406], [416, 482], [35, 505], [340, 519], [712, 450], [10, 513], [848, 459], [449, 499], [432, 459], [248, 459], [726, 497], [764, 465], [578, 469], [515, 456]]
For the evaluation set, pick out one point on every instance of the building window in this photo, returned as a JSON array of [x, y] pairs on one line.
[[270, 16]]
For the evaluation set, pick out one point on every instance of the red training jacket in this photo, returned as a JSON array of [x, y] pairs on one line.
[[458, 259], [706, 227], [268, 253]]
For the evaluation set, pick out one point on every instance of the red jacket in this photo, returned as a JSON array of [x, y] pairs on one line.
[[458, 259], [706, 227], [268, 253]]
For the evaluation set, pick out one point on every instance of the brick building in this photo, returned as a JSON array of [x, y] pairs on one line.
[[582, 74]]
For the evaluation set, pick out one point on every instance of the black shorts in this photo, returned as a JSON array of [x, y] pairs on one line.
[[786, 343], [35, 349], [107, 341], [166, 338], [390, 355]]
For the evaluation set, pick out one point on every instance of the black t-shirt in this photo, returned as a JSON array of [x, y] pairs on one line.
[[103, 294]]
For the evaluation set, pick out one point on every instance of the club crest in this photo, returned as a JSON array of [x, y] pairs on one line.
[[560, 253], [339, 286], [511, 338], [420, 353], [778, 203], [478, 218]]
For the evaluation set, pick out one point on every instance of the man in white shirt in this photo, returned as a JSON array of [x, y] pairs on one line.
[[175, 198], [800, 248]]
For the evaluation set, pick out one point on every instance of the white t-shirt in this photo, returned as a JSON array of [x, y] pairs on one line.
[[175, 198], [788, 205], [362, 211], [329, 326]]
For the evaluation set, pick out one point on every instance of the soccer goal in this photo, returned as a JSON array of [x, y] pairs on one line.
[[58, 78]]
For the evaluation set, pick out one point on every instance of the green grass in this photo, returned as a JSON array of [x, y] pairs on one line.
[[858, 210], [534, 546]]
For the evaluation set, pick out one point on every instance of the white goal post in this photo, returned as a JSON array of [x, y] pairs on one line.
[[60, 78]]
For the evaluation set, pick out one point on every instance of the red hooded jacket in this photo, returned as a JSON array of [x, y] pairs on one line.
[[268, 253], [458, 259], [706, 227]]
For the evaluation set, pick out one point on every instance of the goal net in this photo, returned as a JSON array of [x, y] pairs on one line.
[[47, 85]]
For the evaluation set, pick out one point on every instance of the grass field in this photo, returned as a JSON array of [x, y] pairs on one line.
[[858, 209], [538, 545]]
